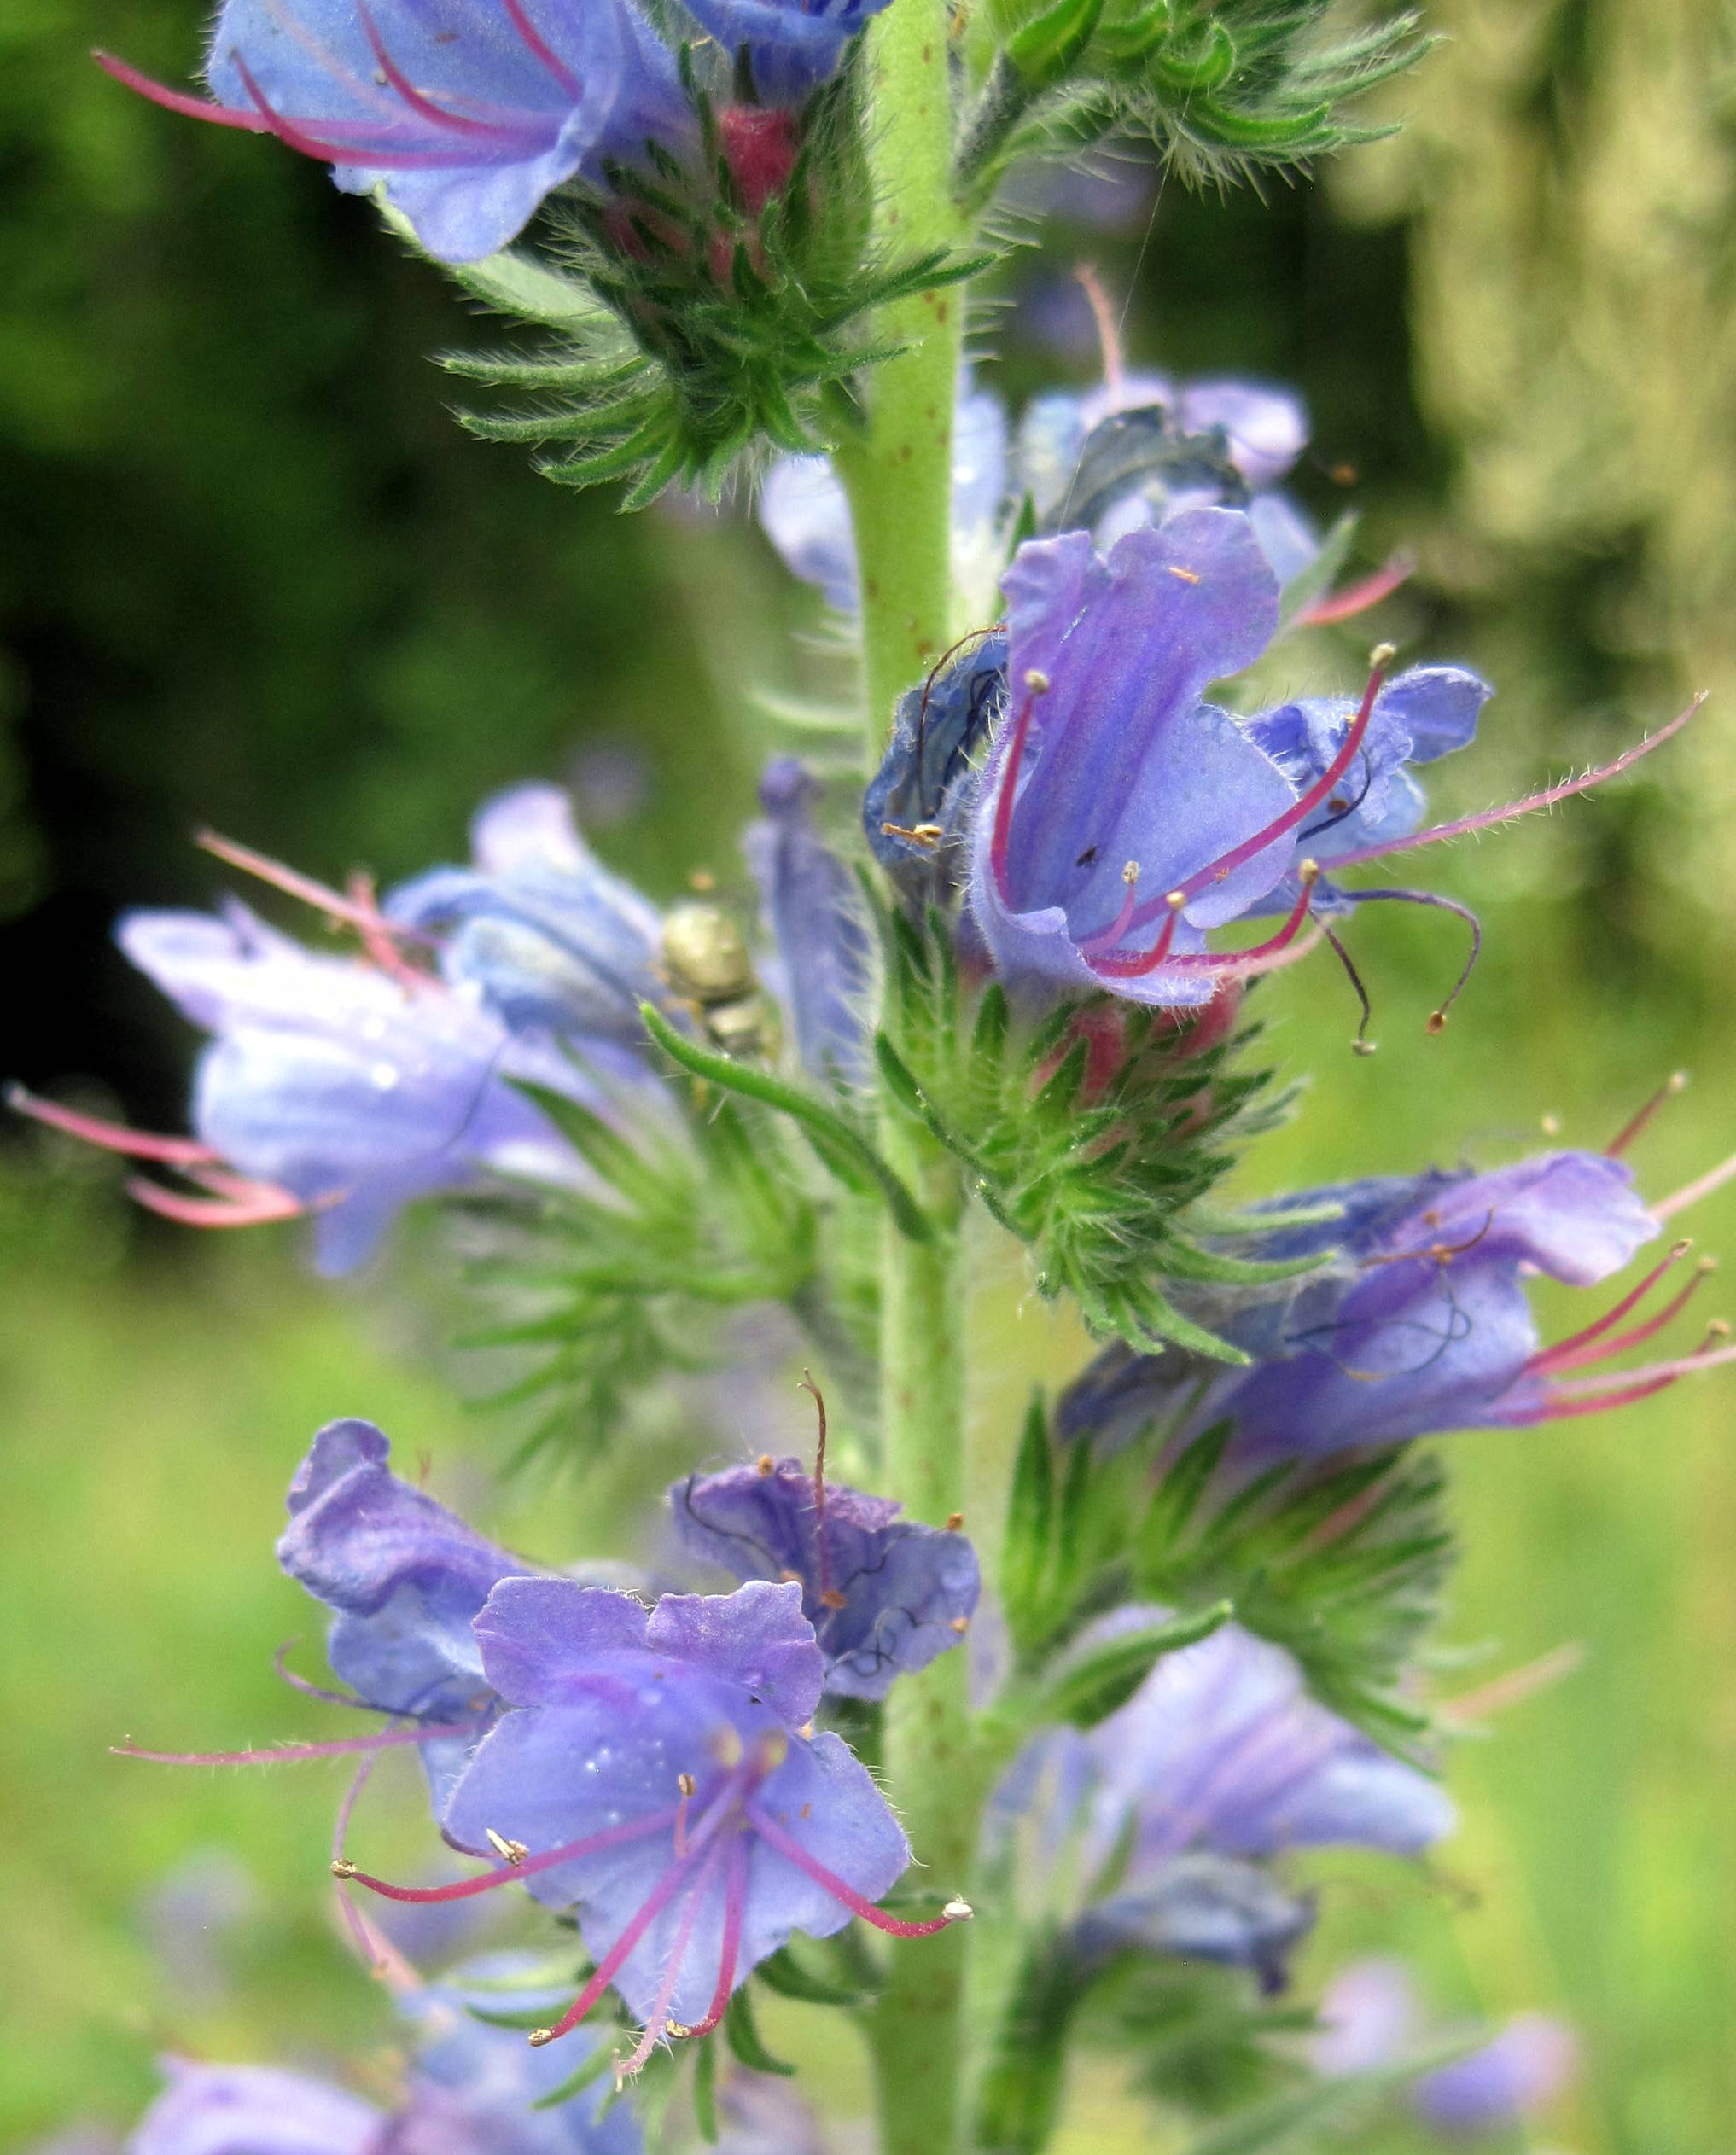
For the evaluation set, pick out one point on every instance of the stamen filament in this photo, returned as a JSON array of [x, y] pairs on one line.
[[111, 1136], [366, 919], [284, 1674], [1714, 1178], [1657, 1373], [1437, 1016], [504, 1874], [340, 1747], [1675, 1083], [534, 43], [1352, 599], [177, 100], [1217, 961], [735, 1903], [1637, 1335], [266, 1203], [608, 1966], [1004, 804], [791, 1849], [1546, 799], [658, 2022], [1148, 962], [407, 89], [1566, 1350]]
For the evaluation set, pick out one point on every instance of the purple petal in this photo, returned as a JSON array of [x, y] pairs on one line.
[[252, 2110], [540, 1638]]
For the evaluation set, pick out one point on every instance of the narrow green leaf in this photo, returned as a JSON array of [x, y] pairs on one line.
[[744, 2038], [601, 2061], [1099, 1682], [785, 1975], [705, 2091]]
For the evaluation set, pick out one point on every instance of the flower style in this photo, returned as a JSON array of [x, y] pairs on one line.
[[809, 903], [1420, 1323], [1221, 1760], [538, 927], [885, 1595], [1371, 2017], [657, 1777], [467, 112], [404, 1578]]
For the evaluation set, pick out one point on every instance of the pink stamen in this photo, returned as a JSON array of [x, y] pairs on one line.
[[286, 1674], [1107, 938], [1546, 799], [527, 1867], [266, 1203], [1135, 968], [1109, 330], [791, 1849], [1637, 1335], [652, 2034], [406, 89], [1004, 804], [177, 100], [532, 39], [1562, 1410], [1691, 1193], [367, 155], [1675, 1083], [1212, 961], [735, 1903], [378, 932], [1659, 1374], [1566, 1351], [341, 1747], [365, 918], [609, 1965], [111, 1136], [1215, 871], [1356, 598]]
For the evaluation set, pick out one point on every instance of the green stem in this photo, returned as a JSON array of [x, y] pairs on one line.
[[899, 471]]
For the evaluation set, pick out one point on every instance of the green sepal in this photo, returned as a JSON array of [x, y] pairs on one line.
[[1045, 46], [785, 1974], [705, 2091], [1092, 1687], [844, 1151], [744, 2037]]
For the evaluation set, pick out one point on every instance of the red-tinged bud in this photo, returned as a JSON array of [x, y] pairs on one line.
[[1207, 1023], [759, 145]]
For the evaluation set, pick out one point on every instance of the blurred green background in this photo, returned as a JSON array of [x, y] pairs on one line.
[[251, 574]]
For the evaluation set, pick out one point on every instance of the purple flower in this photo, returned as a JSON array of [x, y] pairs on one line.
[[917, 809], [468, 111], [337, 1088], [884, 1595], [1532, 2059], [1221, 1760], [406, 1580], [252, 2110], [792, 46], [1115, 799], [550, 939], [657, 1777], [1420, 1324], [810, 905]]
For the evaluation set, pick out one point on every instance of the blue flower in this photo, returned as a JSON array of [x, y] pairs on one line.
[[1115, 798], [468, 112], [657, 1777], [406, 1580], [1419, 1323], [884, 1595], [792, 46], [252, 2110], [339, 1088], [1219, 1761], [811, 907], [539, 926], [916, 813]]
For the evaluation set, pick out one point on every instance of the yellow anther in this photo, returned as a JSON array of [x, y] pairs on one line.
[[955, 1521], [512, 1851], [341, 1867], [686, 1784], [1037, 681], [1187, 575]]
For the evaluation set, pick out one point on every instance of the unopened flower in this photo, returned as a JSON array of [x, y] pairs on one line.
[[811, 908], [468, 114], [1420, 1321], [885, 1595], [655, 1778], [538, 927]]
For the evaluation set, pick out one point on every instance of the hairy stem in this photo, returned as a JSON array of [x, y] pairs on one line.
[[898, 470]]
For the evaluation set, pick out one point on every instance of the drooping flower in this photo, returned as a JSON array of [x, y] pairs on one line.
[[1158, 1820], [885, 1595], [252, 2110], [538, 927], [340, 1087], [656, 1779], [811, 910], [791, 47], [1371, 2017], [467, 114], [406, 1580], [471, 2089], [1420, 1324]]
